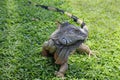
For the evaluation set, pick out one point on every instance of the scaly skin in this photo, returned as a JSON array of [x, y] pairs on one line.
[[65, 40], [64, 66]]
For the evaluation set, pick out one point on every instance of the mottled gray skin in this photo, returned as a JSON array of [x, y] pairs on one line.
[[65, 40]]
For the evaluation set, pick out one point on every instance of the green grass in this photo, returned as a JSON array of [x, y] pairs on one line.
[[24, 28]]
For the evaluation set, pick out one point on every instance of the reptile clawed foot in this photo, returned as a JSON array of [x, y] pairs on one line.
[[59, 74]]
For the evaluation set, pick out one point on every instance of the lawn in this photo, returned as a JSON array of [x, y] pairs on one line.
[[24, 28]]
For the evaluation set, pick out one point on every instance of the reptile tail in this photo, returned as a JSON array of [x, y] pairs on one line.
[[76, 19]]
